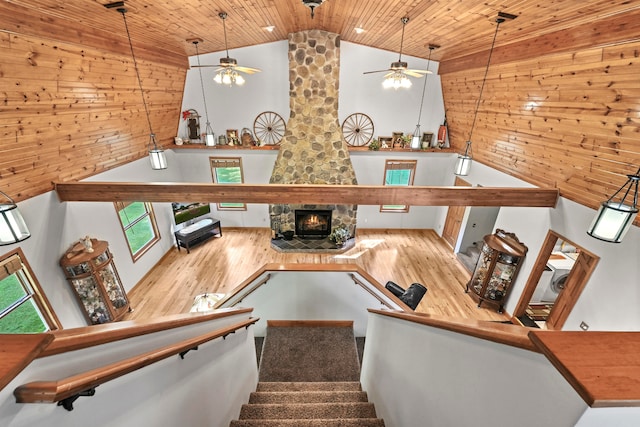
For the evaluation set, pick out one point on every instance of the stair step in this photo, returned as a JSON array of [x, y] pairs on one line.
[[307, 396], [308, 411], [309, 386], [354, 422]]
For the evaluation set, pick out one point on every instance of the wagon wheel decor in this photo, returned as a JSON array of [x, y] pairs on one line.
[[357, 129], [269, 128]]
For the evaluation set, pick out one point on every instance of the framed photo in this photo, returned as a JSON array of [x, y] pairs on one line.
[[396, 137], [427, 137], [385, 141], [232, 136]]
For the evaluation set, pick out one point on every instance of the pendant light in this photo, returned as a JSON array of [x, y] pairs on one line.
[[463, 164], [312, 4], [156, 153], [13, 229], [415, 141], [209, 140], [614, 219]]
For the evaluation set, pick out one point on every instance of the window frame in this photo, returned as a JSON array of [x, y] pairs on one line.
[[221, 162], [154, 226], [394, 164], [35, 293]]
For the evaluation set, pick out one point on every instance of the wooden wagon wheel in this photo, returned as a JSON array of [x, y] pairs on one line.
[[269, 128], [357, 129]]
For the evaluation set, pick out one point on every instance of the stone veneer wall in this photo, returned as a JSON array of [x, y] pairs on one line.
[[312, 150]]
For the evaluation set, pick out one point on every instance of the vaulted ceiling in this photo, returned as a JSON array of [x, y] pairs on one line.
[[460, 27]]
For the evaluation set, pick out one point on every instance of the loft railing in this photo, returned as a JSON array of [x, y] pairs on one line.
[[65, 391]]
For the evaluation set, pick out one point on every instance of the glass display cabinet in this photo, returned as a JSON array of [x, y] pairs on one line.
[[89, 268], [497, 267]]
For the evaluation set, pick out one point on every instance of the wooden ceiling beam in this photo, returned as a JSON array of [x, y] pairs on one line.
[[306, 194]]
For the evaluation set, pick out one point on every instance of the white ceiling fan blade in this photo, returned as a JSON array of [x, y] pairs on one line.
[[412, 73], [420, 71], [378, 71], [247, 70]]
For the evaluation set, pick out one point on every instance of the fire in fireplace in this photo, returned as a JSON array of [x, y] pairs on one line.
[[313, 223]]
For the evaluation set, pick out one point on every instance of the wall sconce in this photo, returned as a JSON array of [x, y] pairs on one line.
[[614, 219], [13, 229]]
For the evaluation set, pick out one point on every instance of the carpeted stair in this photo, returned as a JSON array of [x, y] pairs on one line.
[[308, 404], [469, 256], [308, 378]]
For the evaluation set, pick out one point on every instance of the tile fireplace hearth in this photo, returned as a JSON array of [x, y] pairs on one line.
[[323, 245]]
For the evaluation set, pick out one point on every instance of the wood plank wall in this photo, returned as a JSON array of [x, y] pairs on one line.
[[567, 120], [69, 111]]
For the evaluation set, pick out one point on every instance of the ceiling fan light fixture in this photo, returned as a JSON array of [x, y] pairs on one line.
[[312, 4], [396, 81]]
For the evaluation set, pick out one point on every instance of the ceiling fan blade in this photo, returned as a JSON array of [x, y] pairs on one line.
[[420, 71], [412, 73], [247, 70], [203, 66], [378, 71]]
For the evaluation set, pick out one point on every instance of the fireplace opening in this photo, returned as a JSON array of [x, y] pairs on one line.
[[313, 223]]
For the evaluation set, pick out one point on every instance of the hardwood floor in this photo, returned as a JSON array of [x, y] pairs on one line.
[[221, 264]]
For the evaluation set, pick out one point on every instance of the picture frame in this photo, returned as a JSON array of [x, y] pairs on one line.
[[385, 141], [427, 137], [396, 137], [232, 137]]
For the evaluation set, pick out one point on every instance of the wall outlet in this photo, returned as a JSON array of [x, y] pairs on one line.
[[584, 326]]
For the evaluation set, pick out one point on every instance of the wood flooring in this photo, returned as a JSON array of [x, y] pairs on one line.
[[221, 264]]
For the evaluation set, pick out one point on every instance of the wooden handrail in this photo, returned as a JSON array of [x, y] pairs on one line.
[[366, 288], [56, 391], [515, 336], [250, 291], [340, 268], [88, 336]]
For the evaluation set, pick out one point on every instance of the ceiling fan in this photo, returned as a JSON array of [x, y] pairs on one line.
[[399, 69], [228, 68]]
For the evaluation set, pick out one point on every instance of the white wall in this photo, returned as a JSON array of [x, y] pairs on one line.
[[237, 107], [422, 376], [310, 295]]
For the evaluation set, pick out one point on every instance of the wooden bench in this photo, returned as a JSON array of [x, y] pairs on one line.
[[197, 232]]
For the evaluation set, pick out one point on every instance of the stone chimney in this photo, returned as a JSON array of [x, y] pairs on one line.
[[312, 150]]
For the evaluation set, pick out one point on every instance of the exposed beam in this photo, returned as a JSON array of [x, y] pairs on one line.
[[306, 194]]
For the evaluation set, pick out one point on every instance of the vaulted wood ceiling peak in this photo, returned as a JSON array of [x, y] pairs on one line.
[[461, 27]]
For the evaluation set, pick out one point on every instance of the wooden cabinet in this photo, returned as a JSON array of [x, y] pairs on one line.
[[95, 281], [497, 267]]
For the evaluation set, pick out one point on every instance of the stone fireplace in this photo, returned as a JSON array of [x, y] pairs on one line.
[[312, 150], [312, 223]]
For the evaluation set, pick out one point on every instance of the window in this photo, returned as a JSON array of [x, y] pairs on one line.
[[24, 309], [398, 172], [139, 226], [227, 170]]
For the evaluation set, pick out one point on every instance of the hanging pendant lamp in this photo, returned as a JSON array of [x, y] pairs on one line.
[[13, 229], [614, 219], [463, 165], [157, 156], [415, 141], [209, 139]]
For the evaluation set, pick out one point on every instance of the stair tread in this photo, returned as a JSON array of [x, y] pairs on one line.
[[307, 396], [309, 386], [308, 410], [327, 422]]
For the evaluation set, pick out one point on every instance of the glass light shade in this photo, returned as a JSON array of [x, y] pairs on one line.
[[239, 80], [218, 78], [226, 79], [463, 165], [157, 158], [612, 221], [415, 139], [210, 140], [396, 81], [13, 229]]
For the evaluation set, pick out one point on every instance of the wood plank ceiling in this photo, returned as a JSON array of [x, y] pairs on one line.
[[459, 26]]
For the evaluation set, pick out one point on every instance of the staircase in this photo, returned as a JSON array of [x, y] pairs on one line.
[[469, 257], [308, 377], [308, 404]]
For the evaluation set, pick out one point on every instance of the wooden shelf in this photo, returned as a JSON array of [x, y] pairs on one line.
[[277, 147]]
